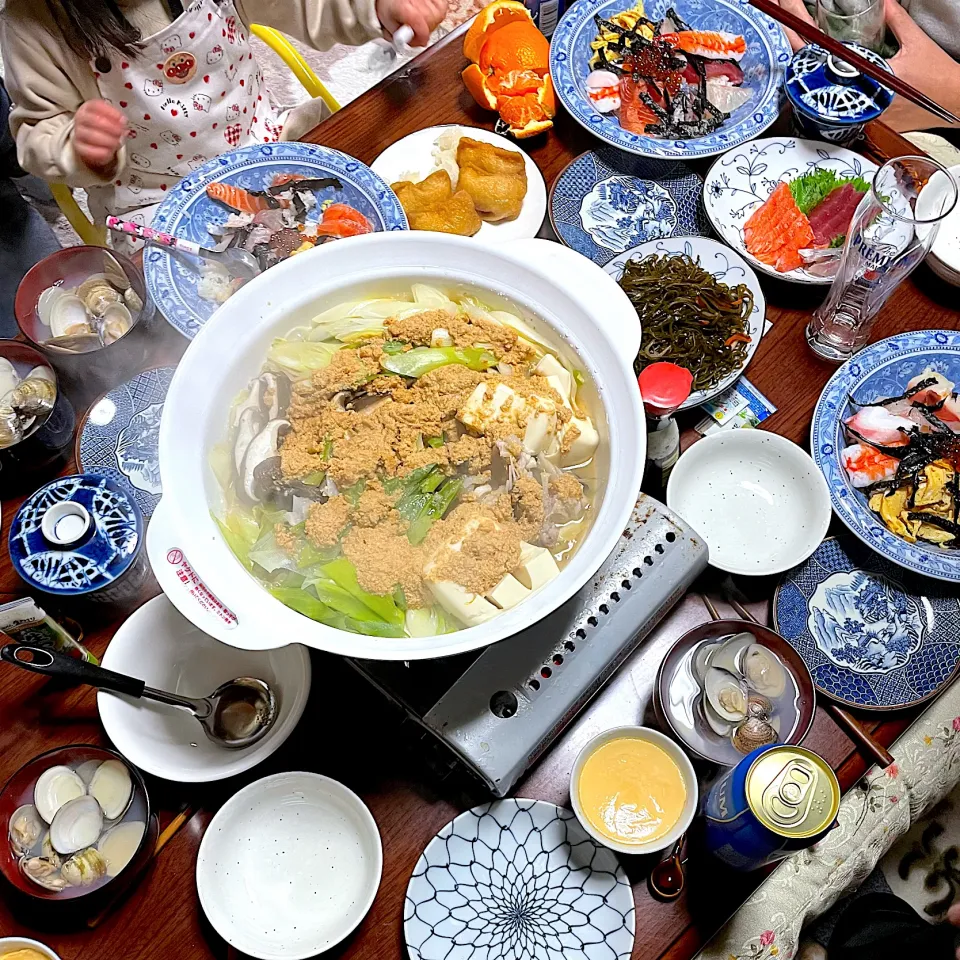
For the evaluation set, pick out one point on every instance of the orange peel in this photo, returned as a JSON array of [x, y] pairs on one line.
[[510, 68]]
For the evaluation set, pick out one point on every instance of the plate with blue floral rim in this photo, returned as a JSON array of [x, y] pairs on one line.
[[881, 370], [873, 635], [518, 880], [187, 211], [728, 267], [742, 179], [121, 433], [766, 59], [606, 201]]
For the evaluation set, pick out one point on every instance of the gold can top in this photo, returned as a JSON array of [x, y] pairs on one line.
[[793, 792]]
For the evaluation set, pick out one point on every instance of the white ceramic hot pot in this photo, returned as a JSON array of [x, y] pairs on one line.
[[575, 305]]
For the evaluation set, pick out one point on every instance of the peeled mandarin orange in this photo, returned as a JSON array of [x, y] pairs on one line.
[[515, 83], [547, 97], [476, 84], [516, 46], [490, 18]]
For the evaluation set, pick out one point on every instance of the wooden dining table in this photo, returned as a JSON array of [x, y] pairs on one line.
[[348, 731]]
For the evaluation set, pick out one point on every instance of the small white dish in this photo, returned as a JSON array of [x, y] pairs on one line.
[[757, 499], [289, 866], [674, 751], [413, 155], [159, 645], [12, 944]]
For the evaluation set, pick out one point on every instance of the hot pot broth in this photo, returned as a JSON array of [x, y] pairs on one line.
[[410, 464]]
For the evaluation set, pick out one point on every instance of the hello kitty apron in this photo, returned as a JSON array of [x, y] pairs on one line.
[[194, 92]]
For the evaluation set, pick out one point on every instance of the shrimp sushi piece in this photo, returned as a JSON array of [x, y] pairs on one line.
[[710, 44], [603, 90], [877, 425], [866, 465], [635, 115], [933, 394], [777, 231], [237, 198], [340, 220]]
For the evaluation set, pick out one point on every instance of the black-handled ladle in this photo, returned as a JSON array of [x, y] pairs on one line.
[[237, 714]]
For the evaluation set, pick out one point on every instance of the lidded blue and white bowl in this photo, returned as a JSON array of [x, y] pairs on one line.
[[80, 536], [832, 100]]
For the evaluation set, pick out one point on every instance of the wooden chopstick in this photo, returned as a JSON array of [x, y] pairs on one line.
[[814, 34], [186, 812]]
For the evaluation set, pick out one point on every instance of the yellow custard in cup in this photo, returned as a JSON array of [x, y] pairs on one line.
[[634, 790]]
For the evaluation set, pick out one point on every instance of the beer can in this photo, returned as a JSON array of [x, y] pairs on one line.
[[546, 14], [776, 800]]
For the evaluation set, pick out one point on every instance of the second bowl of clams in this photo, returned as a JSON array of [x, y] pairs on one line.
[[728, 686]]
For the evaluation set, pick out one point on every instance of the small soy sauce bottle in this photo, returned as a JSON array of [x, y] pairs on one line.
[[664, 387]]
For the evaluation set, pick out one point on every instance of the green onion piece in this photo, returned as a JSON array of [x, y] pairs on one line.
[[314, 478], [343, 573], [421, 360], [392, 347], [435, 442]]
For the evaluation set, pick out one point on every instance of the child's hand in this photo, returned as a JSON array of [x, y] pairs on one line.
[[421, 15], [98, 133]]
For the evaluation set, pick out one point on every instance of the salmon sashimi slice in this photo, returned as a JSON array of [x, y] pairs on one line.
[[340, 220], [777, 231], [282, 179], [713, 44], [635, 115], [238, 199]]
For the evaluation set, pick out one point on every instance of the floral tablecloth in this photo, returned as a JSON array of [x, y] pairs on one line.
[[873, 815]]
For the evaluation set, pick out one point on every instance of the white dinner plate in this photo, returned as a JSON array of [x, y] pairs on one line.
[[757, 499], [158, 645], [413, 155], [289, 866]]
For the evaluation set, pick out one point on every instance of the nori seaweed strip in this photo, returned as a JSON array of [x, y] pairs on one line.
[[943, 523], [309, 183], [922, 385], [675, 17], [898, 453]]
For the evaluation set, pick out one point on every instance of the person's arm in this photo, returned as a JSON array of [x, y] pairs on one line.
[[322, 23], [920, 62], [47, 85]]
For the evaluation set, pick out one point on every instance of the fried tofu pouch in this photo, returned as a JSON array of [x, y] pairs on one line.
[[496, 179], [433, 205]]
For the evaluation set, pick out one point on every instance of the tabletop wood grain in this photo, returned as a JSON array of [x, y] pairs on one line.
[[347, 732]]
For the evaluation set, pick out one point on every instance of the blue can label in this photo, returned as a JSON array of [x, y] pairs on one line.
[[546, 14]]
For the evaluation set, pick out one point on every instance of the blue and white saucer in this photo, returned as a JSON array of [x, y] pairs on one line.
[[873, 635], [121, 434], [518, 880], [607, 201]]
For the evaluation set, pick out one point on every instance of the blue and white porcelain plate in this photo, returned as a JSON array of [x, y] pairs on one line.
[[121, 435], [729, 268], [100, 557], [872, 635], [767, 56], [881, 370], [187, 211], [741, 180], [518, 880], [607, 201]]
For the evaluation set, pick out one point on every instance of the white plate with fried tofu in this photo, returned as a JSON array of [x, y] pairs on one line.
[[485, 198]]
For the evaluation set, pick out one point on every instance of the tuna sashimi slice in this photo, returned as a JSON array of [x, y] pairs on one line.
[[831, 217], [777, 231]]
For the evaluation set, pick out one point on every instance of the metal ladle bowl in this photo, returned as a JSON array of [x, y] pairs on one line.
[[237, 714]]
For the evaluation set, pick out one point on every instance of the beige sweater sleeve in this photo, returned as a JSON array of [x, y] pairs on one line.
[[47, 83], [318, 23]]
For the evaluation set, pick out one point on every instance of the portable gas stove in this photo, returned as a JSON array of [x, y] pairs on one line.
[[493, 712]]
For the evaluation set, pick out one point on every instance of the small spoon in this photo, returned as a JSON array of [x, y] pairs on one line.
[[240, 264], [237, 714], [666, 880]]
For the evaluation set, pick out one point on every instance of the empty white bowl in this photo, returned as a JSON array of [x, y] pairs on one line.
[[13, 944], [675, 752], [944, 255], [289, 866], [757, 499], [160, 646]]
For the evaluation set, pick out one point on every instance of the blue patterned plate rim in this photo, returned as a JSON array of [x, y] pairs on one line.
[[569, 43], [734, 266], [88, 484], [875, 560], [924, 347], [147, 501], [526, 931], [673, 169], [162, 283]]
